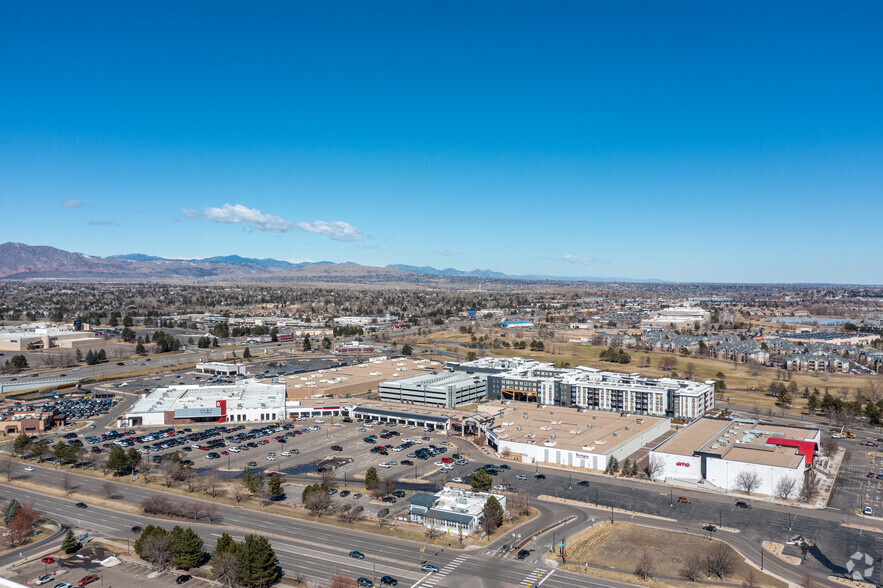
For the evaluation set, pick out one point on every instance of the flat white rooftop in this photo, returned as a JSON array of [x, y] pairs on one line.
[[243, 394]]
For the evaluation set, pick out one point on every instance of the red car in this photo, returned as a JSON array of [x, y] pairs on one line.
[[447, 460], [87, 580], [48, 559], [271, 474]]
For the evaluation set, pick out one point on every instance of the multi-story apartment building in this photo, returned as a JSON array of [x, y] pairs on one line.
[[583, 387]]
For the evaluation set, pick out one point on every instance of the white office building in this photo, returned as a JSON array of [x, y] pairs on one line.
[[452, 510]]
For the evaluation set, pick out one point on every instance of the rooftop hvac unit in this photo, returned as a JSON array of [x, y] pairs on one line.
[[627, 428], [588, 425], [553, 436], [518, 428], [616, 433], [594, 416], [715, 446]]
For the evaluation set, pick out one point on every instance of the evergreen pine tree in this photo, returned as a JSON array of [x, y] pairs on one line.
[[225, 544], [70, 543], [257, 562], [371, 478], [274, 486], [186, 548], [493, 508], [9, 510]]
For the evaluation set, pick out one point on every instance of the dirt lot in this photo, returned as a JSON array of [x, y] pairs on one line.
[[620, 545]]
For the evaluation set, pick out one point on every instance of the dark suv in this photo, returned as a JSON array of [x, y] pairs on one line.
[[523, 554], [742, 504]]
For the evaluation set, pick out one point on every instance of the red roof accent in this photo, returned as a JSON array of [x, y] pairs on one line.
[[804, 448]]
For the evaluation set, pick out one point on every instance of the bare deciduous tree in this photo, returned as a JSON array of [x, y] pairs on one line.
[[7, 466], [240, 491], [341, 581], [213, 485], [747, 481], [785, 487], [692, 568], [751, 580], [327, 477], [318, 503], [156, 550], [810, 487], [68, 484], [653, 466], [645, 567], [719, 560]]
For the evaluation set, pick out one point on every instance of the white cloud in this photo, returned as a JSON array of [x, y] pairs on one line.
[[239, 214], [101, 223], [580, 260], [72, 203], [337, 230]]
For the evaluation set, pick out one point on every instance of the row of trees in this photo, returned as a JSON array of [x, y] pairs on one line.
[[181, 548], [160, 505], [615, 355], [63, 452]]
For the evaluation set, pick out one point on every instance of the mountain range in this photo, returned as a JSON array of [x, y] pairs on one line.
[[19, 261]]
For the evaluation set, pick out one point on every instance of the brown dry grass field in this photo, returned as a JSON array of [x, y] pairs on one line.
[[738, 380], [621, 545]]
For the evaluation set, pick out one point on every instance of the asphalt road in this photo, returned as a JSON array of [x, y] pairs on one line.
[[306, 548]]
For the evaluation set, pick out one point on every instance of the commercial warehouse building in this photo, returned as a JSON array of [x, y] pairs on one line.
[[226, 369], [570, 437], [584, 387], [446, 389], [722, 453], [244, 401]]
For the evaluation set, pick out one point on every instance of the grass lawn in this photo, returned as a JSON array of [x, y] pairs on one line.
[[621, 545]]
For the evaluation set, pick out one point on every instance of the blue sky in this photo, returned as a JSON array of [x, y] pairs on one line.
[[732, 141]]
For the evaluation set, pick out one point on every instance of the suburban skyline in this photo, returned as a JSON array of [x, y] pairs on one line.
[[712, 143]]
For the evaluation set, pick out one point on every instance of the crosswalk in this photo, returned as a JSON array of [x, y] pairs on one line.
[[534, 578], [434, 579]]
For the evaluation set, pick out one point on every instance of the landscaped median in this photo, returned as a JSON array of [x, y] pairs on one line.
[[647, 556]]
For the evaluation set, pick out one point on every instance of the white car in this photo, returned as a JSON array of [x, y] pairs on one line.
[[396, 448], [459, 480], [384, 465], [124, 384], [235, 449], [64, 585], [320, 421], [29, 468], [447, 467], [438, 464], [286, 454], [520, 477], [271, 458], [43, 580]]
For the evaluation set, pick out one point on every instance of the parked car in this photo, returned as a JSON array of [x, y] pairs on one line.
[[43, 580], [182, 578], [87, 580], [48, 559], [520, 477], [868, 511]]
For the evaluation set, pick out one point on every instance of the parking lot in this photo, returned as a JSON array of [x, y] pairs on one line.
[[83, 565]]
